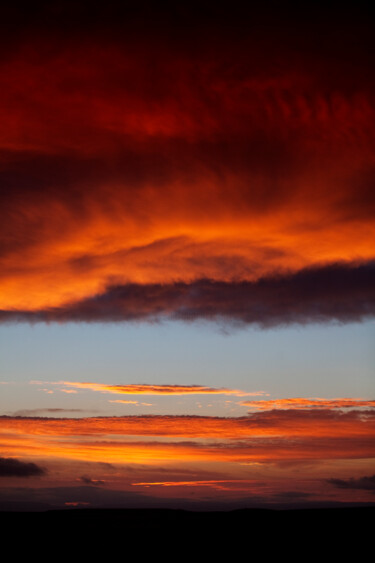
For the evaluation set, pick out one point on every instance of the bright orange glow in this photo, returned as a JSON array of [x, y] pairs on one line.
[[265, 437], [266, 451], [169, 257], [313, 423]]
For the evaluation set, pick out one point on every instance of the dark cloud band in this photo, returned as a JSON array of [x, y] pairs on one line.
[[338, 292], [10, 467], [364, 483]]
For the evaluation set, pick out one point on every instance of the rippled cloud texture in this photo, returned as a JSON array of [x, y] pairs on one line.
[[154, 165]]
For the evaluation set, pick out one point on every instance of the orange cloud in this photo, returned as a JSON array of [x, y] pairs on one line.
[[219, 485], [155, 452], [317, 423], [271, 423], [307, 403], [125, 201], [149, 389], [124, 402], [278, 440]]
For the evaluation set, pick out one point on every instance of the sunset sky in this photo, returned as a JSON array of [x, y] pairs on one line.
[[187, 255]]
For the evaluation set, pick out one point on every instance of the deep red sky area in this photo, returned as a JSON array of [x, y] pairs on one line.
[[170, 149]]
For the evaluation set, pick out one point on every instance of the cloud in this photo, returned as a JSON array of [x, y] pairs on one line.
[[50, 411], [153, 389], [124, 402], [266, 437], [267, 450], [11, 467], [208, 184], [89, 481], [339, 292], [308, 403], [130, 402], [293, 422], [217, 484], [364, 483]]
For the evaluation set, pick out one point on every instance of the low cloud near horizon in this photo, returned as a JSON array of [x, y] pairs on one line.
[[11, 467], [364, 483]]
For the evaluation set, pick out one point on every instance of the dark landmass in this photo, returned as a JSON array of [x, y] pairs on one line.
[[339, 526]]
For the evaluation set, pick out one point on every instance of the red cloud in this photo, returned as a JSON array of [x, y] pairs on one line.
[[144, 178]]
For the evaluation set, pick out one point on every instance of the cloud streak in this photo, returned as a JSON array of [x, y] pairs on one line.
[[218, 485], [47, 411], [308, 403], [150, 389]]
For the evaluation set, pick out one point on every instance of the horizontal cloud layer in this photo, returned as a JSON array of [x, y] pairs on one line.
[[282, 438], [292, 422], [339, 292], [231, 456], [149, 389], [307, 403]]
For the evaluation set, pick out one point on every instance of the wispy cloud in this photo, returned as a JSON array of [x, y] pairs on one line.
[[266, 437], [308, 403], [150, 389], [217, 484], [130, 402], [89, 481], [48, 411], [124, 402]]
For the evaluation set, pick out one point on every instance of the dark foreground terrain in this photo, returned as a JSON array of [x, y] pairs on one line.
[[270, 530]]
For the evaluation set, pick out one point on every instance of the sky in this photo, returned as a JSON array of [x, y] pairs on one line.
[[187, 235]]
